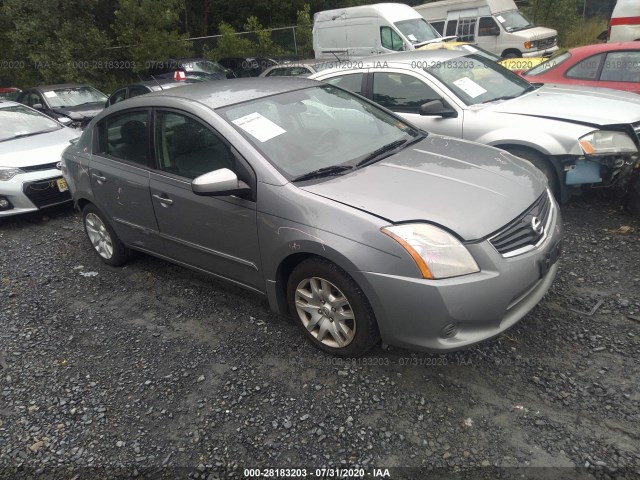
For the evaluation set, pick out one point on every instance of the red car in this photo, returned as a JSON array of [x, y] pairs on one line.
[[609, 65]]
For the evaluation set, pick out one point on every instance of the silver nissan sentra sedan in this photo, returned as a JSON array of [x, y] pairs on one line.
[[361, 226]]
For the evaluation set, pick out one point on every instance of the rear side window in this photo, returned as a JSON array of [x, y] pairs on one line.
[[587, 69], [125, 136], [351, 82], [466, 29], [118, 96], [390, 39], [452, 26], [621, 67]]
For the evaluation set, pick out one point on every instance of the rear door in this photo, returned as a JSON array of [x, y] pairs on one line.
[[214, 234], [119, 172]]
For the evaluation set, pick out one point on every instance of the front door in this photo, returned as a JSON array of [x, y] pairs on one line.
[[215, 234]]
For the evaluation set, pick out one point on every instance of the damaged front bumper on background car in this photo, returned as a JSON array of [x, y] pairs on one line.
[[608, 160]]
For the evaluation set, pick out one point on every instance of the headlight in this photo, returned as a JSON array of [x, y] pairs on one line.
[[7, 173], [602, 142], [437, 253]]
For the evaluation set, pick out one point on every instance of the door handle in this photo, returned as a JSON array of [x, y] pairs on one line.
[[99, 178], [162, 199]]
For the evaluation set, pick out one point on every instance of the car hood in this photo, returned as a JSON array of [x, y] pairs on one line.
[[37, 149], [81, 112], [586, 105], [466, 187]]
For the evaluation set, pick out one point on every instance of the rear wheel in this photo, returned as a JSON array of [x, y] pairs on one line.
[[103, 238], [331, 308], [542, 164], [511, 54]]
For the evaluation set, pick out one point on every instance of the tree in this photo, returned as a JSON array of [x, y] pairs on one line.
[[304, 35], [149, 31]]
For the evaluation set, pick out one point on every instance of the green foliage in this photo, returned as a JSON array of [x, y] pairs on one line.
[[560, 15], [148, 30], [230, 44], [304, 36], [264, 44]]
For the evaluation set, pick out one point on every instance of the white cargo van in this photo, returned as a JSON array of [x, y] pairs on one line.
[[356, 32], [625, 21], [495, 25]]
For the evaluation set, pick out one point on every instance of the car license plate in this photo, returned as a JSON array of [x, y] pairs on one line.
[[549, 259], [62, 185]]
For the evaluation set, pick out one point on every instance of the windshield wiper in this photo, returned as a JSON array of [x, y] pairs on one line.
[[509, 97], [322, 172], [379, 154]]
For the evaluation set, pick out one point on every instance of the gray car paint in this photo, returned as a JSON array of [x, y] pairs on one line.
[[289, 222]]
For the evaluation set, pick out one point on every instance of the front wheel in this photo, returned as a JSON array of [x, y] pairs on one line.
[[103, 239], [331, 308]]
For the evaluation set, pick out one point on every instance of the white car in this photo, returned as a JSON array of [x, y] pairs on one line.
[[575, 135], [31, 146]]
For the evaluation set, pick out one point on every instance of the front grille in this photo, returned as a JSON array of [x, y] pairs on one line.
[[45, 192], [547, 42], [37, 168], [520, 236]]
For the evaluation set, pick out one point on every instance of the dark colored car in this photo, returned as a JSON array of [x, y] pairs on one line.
[[198, 68], [70, 103], [141, 88], [9, 93], [247, 66]]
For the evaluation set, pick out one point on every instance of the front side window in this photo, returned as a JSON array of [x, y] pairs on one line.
[[125, 136], [401, 93], [587, 69], [118, 96], [487, 26], [351, 82], [390, 39], [186, 147], [304, 130]]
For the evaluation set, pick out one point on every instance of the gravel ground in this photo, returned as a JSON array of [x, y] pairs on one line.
[[154, 371]]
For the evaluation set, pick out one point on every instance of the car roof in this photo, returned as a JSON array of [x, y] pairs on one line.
[[605, 47], [160, 83], [229, 92], [8, 103]]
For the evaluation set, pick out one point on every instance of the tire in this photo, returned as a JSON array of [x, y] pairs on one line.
[[542, 164], [511, 54], [322, 297], [103, 238]]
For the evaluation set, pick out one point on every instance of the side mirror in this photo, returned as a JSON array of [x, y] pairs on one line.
[[221, 182], [37, 106], [65, 121], [437, 108]]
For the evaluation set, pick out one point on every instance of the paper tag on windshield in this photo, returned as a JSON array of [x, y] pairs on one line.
[[50, 94], [259, 127], [500, 18], [469, 87], [412, 37]]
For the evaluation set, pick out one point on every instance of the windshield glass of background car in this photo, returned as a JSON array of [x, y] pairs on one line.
[[475, 79], [18, 120], [204, 66], [304, 130], [513, 21], [417, 30], [72, 97], [553, 62]]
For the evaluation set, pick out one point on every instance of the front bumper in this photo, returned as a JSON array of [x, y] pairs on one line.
[[451, 314], [540, 53], [31, 191]]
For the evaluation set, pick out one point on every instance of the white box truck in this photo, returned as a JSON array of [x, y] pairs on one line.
[[495, 25], [625, 21], [356, 32]]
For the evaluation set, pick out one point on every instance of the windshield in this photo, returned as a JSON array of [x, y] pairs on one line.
[[74, 96], [417, 30], [475, 79], [513, 21], [553, 62], [320, 127], [19, 121], [203, 66]]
